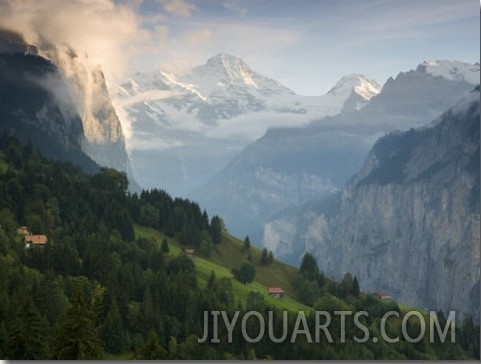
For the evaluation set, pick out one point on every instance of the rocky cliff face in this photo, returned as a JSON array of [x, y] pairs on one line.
[[35, 104], [103, 137], [52, 88], [409, 222]]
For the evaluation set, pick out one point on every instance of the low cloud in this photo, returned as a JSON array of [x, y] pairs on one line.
[[101, 29], [252, 126], [149, 141], [150, 95], [85, 34]]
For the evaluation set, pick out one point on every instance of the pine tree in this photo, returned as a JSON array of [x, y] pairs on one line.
[[174, 352], [3, 340], [264, 257], [308, 268], [165, 246], [247, 244], [271, 257], [151, 350], [211, 281], [355, 287], [148, 310], [27, 339], [216, 229], [76, 337], [246, 272], [112, 331]]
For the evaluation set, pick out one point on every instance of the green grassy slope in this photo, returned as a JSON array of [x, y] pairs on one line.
[[228, 255]]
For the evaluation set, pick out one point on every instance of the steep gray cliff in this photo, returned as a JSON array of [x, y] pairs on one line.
[[104, 140], [35, 105], [409, 222], [52, 88]]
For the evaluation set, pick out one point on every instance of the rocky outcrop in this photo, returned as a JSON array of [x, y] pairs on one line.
[[103, 140], [409, 222], [53, 89], [12, 42], [35, 107]]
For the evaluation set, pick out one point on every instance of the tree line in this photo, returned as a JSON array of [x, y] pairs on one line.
[[99, 290]]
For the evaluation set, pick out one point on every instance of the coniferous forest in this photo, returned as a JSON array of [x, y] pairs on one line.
[[99, 289]]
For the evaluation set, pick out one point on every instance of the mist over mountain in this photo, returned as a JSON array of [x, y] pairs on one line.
[[191, 125], [290, 166], [35, 103], [408, 222], [53, 89]]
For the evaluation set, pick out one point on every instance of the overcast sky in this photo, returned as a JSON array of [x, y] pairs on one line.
[[308, 45]]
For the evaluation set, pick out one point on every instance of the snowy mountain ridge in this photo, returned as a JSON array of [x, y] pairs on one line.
[[359, 83], [452, 70], [226, 87], [211, 112], [223, 70]]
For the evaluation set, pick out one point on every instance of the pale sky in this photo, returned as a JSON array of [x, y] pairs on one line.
[[308, 45]]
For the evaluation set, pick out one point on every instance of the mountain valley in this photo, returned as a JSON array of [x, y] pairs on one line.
[[192, 125]]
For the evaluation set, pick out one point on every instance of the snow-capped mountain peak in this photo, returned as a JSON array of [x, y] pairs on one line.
[[452, 70], [222, 70], [357, 83], [226, 88], [234, 68]]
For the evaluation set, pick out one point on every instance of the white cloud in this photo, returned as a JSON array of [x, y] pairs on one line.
[[148, 141], [150, 95], [179, 8], [236, 7], [99, 28], [252, 126], [99, 32], [199, 37], [258, 44]]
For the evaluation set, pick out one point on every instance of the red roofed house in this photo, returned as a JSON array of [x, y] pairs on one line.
[[35, 240], [276, 292]]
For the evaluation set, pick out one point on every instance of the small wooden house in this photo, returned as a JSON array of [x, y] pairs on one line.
[[276, 292], [23, 230], [383, 295], [189, 252], [35, 240]]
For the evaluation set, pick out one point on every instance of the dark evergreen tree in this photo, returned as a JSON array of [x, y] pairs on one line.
[[247, 244], [216, 229], [211, 281], [112, 331], [165, 246], [264, 257], [76, 337], [308, 268], [246, 273], [271, 257], [355, 287], [27, 339], [151, 350]]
